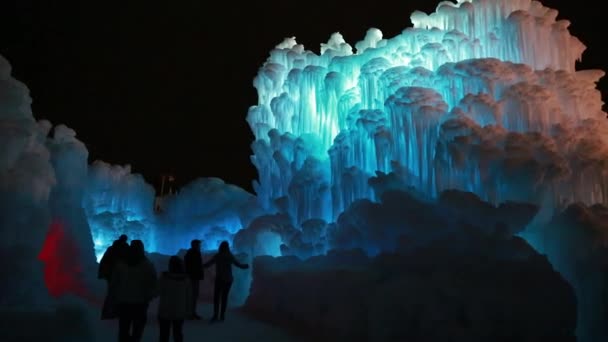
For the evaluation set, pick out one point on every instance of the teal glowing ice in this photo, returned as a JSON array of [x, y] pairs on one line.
[[324, 123]]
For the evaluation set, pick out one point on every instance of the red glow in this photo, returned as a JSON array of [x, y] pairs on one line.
[[62, 267]]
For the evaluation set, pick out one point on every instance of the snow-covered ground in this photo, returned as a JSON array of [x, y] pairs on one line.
[[237, 327], [52, 327]]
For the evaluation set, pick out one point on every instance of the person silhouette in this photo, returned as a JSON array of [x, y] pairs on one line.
[[133, 285], [223, 261], [175, 298], [115, 253], [193, 261]]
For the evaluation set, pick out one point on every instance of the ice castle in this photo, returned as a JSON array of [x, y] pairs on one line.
[[481, 96]]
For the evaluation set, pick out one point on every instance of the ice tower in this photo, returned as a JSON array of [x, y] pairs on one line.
[[480, 96]]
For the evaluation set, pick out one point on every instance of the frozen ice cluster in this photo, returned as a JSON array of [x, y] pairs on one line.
[[480, 96]]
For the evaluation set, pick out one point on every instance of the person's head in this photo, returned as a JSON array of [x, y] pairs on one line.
[[123, 238], [195, 244], [224, 247], [176, 265], [137, 248]]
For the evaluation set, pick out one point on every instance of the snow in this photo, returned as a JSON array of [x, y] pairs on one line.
[[81, 323]]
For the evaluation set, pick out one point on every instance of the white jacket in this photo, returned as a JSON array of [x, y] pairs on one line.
[[175, 296]]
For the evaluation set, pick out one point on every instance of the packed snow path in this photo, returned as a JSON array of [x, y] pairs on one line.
[[237, 327], [86, 327]]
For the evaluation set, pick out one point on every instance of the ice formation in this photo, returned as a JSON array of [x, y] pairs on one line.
[[206, 209], [26, 180], [42, 176], [480, 96], [118, 202]]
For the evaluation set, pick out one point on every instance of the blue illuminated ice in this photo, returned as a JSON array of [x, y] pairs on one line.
[[453, 101], [479, 96], [118, 202], [207, 209]]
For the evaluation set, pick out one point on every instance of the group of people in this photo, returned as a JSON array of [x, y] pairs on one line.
[[133, 284]]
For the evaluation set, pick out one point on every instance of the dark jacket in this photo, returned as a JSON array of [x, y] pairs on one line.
[[115, 253], [175, 296], [134, 281], [193, 261], [223, 266]]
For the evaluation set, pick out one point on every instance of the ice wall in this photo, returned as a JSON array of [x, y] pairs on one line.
[[43, 170], [576, 243], [26, 181], [118, 202], [69, 157], [207, 209], [471, 97]]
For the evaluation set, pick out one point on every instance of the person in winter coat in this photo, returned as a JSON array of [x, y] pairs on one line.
[[113, 255], [194, 268], [175, 298], [223, 261], [116, 252], [133, 285]]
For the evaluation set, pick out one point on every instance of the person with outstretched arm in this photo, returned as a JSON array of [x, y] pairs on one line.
[[223, 261]]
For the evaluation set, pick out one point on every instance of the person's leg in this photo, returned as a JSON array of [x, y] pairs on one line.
[[225, 291], [140, 319], [195, 292], [125, 319], [164, 325], [178, 335], [216, 299], [110, 309]]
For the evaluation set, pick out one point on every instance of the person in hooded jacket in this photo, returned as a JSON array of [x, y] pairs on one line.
[[223, 261], [175, 296], [133, 285]]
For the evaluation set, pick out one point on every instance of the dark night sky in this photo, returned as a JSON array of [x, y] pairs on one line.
[[166, 87]]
